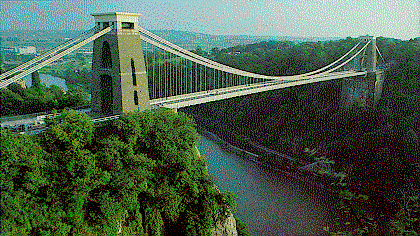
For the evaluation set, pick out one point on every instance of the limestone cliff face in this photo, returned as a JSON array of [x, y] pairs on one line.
[[227, 228]]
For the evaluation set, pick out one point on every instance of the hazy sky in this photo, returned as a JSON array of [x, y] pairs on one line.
[[321, 18]]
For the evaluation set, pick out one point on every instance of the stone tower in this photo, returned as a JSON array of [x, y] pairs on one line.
[[119, 82], [367, 88], [367, 60]]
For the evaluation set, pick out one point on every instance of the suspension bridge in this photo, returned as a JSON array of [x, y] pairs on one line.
[[134, 69]]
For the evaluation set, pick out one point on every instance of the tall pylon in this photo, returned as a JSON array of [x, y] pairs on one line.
[[119, 74], [367, 60]]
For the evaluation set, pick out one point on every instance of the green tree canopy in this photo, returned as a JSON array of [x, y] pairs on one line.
[[36, 80], [138, 176]]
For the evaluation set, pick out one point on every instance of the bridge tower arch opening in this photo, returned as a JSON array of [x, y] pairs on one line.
[[106, 94], [119, 72], [106, 59]]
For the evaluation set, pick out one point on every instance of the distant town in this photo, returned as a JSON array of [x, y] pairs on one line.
[[19, 50]]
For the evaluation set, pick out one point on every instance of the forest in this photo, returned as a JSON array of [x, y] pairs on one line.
[[140, 175], [375, 150], [16, 100]]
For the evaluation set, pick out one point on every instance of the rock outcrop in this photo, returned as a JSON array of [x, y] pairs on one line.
[[227, 228]]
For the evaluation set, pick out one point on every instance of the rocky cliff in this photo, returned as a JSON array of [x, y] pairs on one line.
[[227, 228]]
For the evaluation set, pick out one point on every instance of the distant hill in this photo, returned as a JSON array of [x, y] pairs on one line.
[[191, 40], [185, 39]]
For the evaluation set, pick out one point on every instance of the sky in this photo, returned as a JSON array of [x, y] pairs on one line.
[[298, 18]]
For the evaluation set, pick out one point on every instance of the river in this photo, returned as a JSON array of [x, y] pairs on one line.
[[48, 80], [270, 201]]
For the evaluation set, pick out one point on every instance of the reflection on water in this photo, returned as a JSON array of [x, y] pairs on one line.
[[269, 201]]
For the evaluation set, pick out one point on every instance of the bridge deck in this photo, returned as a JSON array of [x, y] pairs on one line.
[[231, 92], [31, 124]]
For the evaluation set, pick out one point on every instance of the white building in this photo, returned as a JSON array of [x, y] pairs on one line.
[[19, 50], [26, 50]]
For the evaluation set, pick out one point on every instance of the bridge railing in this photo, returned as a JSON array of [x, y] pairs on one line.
[[37, 114], [39, 125]]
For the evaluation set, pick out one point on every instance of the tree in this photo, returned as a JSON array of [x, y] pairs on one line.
[[18, 100], [11, 103], [142, 176], [215, 52], [199, 51], [23, 182], [181, 187], [69, 131], [36, 80], [77, 96]]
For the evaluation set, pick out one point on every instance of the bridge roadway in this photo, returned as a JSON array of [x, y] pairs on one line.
[[191, 99], [32, 125]]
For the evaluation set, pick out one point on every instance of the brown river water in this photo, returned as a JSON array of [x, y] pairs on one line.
[[270, 201]]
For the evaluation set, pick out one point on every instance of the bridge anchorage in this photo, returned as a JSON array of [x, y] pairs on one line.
[[135, 70]]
